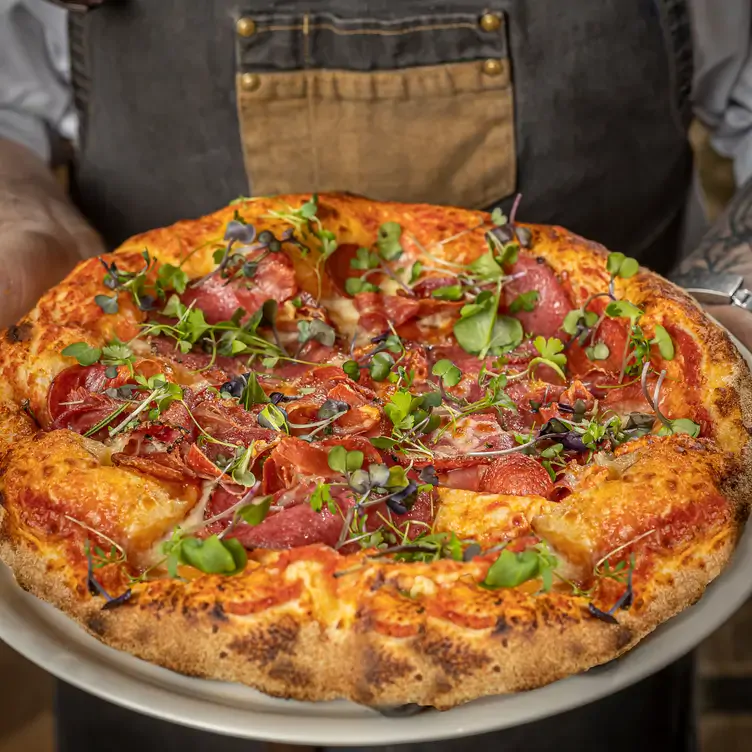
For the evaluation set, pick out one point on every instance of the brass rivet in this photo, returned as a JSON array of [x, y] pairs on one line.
[[250, 81], [246, 26], [490, 22], [492, 67]]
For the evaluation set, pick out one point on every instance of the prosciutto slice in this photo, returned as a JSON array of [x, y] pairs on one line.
[[219, 299]]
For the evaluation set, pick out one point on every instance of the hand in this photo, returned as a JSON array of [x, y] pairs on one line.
[[42, 235], [727, 248]]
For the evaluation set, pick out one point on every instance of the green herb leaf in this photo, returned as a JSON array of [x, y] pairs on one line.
[[354, 460], [354, 285], [614, 262], [117, 353], [665, 344], [486, 267], [447, 371], [388, 241], [171, 277], [309, 208], [364, 259], [214, 555], [272, 417], [316, 329], [480, 330], [397, 478], [252, 393], [525, 302], [321, 496], [352, 369], [498, 217], [383, 442], [342, 461], [174, 307], [106, 303], [415, 272], [337, 459], [629, 267], [623, 309], [598, 351], [680, 425], [328, 242], [511, 570], [380, 366], [552, 451], [256, 511], [83, 353], [449, 292], [399, 407]]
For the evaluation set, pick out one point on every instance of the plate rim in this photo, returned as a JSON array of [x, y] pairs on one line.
[[27, 624]]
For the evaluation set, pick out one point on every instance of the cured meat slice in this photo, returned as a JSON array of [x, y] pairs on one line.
[[553, 303], [219, 299], [84, 410], [377, 311], [76, 378], [294, 461], [518, 475]]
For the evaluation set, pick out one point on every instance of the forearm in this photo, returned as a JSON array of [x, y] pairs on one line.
[[727, 249], [42, 235]]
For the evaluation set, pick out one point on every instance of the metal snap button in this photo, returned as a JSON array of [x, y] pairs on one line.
[[250, 81], [490, 22], [492, 67], [245, 26]]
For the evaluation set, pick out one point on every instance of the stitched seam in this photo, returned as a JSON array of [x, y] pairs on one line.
[[372, 32]]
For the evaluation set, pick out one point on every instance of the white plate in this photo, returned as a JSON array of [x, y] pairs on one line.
[[51, 640]]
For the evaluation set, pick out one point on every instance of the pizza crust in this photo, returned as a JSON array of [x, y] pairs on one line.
[[535, 640], [359, 636]]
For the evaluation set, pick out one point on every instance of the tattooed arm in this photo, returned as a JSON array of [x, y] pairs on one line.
[[727, 248]]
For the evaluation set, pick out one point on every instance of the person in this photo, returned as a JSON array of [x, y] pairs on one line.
[[177, 107]]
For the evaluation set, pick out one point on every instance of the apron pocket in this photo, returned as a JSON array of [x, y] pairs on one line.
[[440, 133]]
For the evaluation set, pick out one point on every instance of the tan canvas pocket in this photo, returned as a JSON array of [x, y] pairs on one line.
[[435, 133]]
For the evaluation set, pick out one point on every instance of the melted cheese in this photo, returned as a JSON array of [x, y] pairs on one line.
[[327, 608], [344, 314], [669, 488], [487, 518]]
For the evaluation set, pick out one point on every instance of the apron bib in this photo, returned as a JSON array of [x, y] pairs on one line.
[[580, 106]]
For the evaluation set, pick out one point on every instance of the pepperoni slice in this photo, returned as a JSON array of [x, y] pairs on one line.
[[219, 299], [338, 266], [297, 524], [517, 474], [553, 302], [612, 332]]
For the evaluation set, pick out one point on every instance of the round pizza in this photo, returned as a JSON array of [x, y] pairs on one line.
[[331, 447]]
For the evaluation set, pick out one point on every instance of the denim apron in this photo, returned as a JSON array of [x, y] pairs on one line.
[[582, 106]]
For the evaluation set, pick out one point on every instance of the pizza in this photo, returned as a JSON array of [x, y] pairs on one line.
[[330, 447]]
